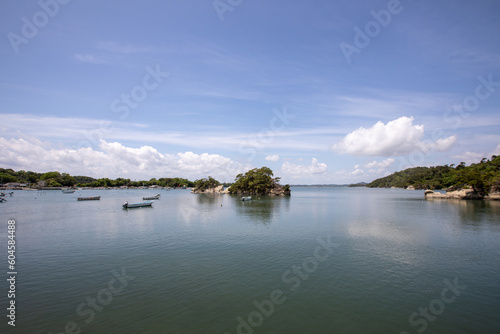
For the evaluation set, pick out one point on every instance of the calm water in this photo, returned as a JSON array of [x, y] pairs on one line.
[[326, 260]]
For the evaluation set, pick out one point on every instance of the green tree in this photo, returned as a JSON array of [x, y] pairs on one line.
[[255, 182], [51, 175], [7, 178], [204, 184], [67, 180]]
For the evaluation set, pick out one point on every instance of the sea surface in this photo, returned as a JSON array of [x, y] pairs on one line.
[[326, 260]]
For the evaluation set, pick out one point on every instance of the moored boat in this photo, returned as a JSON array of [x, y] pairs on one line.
[[68, 191], [248, 198], [92, 198], [157, 196], [128, 205]]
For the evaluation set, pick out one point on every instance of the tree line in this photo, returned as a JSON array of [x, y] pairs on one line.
[[57, 179]]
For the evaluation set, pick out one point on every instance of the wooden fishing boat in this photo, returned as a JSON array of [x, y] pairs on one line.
[[92, 198], [128, 205]]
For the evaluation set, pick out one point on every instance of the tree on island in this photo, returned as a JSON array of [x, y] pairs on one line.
[[203, 184], [259, 182]]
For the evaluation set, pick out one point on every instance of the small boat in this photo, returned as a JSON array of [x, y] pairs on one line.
[[2, 194], [157, 196], [2, 200], [11, 193], [68, 191], [93, 198], [248, 198], [128, 205]]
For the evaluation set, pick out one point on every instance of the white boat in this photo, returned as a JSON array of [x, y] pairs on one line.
[[248, 198], [128, 205], [157, 196], [68, 191]]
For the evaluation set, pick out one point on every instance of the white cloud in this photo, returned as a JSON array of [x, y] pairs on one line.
[[469, 157], [115, 160], [379, 164], [475, 157], [374, 167], [497, 150], [357, 172], [90, 131], [273, 157], [397, 137], [440, 145], [315, 167]]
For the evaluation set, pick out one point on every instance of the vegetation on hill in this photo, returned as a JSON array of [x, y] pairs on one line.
[[56, 179], [259, 182], [203, 184], [483, 177]]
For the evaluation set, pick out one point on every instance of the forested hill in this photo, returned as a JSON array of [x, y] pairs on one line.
[[482, 176]]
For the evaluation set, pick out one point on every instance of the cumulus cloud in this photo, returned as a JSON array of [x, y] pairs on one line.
[[373, 167], [315, 167], [497, 150], [475, 157], [357, 172], [397, 137], [115, 160], [440, 145], [380, 164], [273, 157]]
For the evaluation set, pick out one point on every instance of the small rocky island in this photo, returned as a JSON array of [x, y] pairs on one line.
[[257, 181], [464, 193]]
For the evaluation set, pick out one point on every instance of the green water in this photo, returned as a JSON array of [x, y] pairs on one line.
[[326, 260]]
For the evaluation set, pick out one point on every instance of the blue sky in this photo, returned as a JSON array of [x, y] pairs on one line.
[[319, 91]]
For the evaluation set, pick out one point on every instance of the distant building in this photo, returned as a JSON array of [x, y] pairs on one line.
[[15, 185], [41, 183]]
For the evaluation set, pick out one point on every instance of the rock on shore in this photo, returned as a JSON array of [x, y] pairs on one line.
[[493, 196], [217, 190], [457, 194]]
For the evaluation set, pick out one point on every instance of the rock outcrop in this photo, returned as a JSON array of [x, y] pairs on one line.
[[217, 190], [456, 194], [493, 196], [279, 191]]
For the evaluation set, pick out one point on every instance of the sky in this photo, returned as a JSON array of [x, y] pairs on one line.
[[321, 91]]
